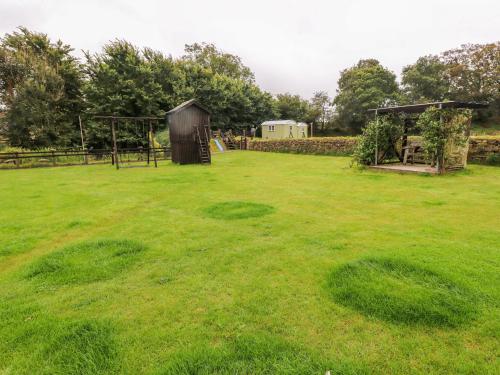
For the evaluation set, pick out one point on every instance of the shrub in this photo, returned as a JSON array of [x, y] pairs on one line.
[[381, 134], [440, 128]]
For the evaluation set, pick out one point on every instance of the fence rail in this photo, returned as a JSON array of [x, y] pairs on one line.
[[62, 157]]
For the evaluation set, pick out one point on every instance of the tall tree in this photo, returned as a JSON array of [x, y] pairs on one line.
[[233, 103], [425, 80], [293, 107], [366, 85], [473, 71], [127, 81], [40, 89], [122, 81], [223, 63], [321, 110]]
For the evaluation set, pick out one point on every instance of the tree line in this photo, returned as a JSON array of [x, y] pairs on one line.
[[468, 73], [44, 88]]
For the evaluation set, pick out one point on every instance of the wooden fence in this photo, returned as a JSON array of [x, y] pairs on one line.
[[65, 157]]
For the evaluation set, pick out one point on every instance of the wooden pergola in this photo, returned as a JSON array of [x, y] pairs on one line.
[[410, 111]]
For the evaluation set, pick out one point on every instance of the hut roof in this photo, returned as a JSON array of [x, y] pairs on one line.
[[187, 104], [279, 122], [419, 108]]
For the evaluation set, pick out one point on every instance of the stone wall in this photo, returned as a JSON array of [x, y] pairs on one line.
[[316, 145], [484, 149], [481, 149]]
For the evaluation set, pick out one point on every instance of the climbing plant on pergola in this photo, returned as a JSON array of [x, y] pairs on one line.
[[443, 129]]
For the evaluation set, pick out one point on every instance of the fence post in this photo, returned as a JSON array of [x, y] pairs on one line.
[[53, 159], [115, 147]]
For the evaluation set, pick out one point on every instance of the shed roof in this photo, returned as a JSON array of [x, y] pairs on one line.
[[187, 104], [419, 108], [279, 122]]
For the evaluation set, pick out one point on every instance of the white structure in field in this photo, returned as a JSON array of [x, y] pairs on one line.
[[275, 129]]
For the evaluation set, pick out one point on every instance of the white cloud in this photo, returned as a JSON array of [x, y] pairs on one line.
[[295, 46]]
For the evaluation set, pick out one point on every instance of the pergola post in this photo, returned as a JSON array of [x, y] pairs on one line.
[[440, 157]]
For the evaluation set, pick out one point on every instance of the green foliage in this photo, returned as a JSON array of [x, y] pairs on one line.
[[381, 134], [127, 81], [40, 87], [233, 103], [440, 127], [361, 87], [425, 80], [163, 138], [209, 56], [123, 81], [493, 159], [467, 73], [85, 262], [401, 292], [293, 107], [321, 111], [238, 210], [472, 72], [257, 355]]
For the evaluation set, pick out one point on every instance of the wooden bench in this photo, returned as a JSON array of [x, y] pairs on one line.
[[414, 153]]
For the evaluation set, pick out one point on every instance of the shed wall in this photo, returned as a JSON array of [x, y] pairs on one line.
[[283, 131], [182, 125]]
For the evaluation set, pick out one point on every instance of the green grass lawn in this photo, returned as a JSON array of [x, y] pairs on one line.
[[490, 128], [258, 264]]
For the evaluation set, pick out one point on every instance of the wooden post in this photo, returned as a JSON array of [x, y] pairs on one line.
[[440, 156], [115, 148], [53, 159], [376, 137], [147, 135], [85, 157], [151, 139], [404, 142]]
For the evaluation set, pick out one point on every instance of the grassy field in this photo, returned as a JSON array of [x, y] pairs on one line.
[[260, 263], [490, 128]]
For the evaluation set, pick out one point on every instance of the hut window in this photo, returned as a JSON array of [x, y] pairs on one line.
[[271, 128]]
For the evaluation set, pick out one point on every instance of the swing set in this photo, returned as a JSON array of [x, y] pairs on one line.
[[138, 148]]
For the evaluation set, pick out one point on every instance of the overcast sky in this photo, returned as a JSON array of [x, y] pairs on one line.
[[292, 46]]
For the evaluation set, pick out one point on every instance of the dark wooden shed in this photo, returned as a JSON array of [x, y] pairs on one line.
[[189, 129]]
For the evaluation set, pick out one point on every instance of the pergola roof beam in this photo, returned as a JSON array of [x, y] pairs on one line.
[[419, 108]]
